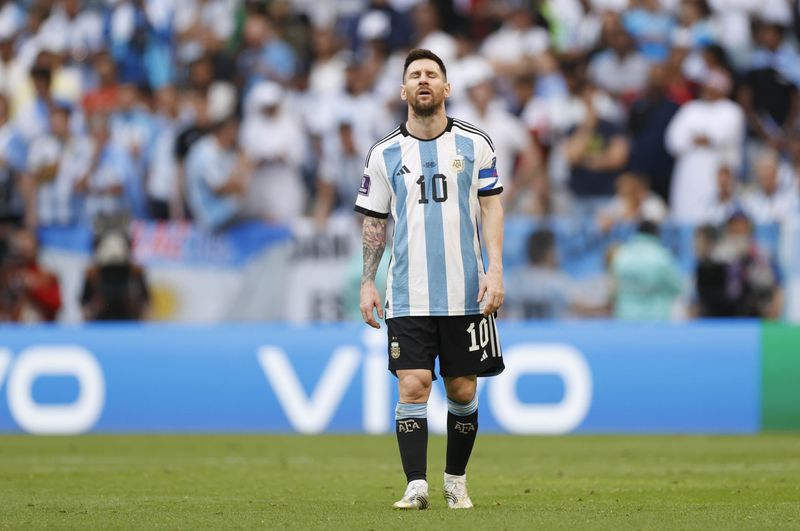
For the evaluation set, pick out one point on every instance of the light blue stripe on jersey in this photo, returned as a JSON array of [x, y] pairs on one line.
[[434, 231], [466, 147], [393, 158]]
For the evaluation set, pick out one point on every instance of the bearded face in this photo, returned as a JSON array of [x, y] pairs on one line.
[[426, 100], [425, 88]]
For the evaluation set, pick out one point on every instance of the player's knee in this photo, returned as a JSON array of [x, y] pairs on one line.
[[461, 389], [462, 395], [415, 394]]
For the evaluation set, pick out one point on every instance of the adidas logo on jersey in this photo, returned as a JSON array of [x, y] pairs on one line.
[[404, 170], [484, 356]]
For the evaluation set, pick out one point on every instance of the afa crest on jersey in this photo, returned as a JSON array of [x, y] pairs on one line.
[[458, 164]]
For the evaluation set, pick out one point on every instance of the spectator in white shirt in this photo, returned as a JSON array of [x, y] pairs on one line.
[[520, 38], [272, 139], [80, 28], [512, 140], [327, 72], [620, 69], [201, 25], [727, 199], [703, 133], [633, 203], [12, 74], [769, 200]]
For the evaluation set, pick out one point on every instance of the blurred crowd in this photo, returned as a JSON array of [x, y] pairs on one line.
[[218, 111]]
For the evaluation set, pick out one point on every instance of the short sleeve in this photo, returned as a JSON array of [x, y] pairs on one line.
[[374, 194], [488, 180]]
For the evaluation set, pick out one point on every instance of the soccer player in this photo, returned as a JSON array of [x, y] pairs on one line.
[[437, 177]]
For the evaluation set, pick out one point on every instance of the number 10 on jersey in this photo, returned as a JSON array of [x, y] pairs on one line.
[[438, 188]]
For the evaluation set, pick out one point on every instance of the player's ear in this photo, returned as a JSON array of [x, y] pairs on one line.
[[447, 89], [403, 95]]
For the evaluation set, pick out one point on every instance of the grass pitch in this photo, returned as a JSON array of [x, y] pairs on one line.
[[350, 482]]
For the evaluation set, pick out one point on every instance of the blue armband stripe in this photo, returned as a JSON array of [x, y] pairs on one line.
[[487, 173]]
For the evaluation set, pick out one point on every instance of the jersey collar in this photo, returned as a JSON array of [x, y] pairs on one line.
[[447, 129]]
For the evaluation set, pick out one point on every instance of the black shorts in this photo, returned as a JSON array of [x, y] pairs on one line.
[[465, 344]]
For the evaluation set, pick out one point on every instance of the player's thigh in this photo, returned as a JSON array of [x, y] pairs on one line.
[[469, 345], [413, 343]]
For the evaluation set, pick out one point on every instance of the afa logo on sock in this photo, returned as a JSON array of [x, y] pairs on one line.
[[464, 427], [407, 425]]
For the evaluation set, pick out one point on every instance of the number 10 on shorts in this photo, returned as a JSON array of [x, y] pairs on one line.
[[483, 332]]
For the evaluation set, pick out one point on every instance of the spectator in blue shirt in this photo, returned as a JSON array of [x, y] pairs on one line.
[[265, 56], [217, 177], [646, 277], [650, 26]]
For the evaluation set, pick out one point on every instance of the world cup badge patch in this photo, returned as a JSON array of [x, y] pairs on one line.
[[364, 188], [457, 164], [394, 350]]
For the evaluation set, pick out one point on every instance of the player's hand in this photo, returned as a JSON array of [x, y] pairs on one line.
[[491, 289], [370, 300]]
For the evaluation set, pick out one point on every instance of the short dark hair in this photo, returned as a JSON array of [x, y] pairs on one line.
[[422, 53]]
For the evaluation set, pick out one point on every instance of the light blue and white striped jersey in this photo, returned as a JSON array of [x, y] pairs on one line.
[[208, 168], [59, 165], [431, 187]]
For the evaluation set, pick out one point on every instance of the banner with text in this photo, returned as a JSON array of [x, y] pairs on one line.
[[560, 378]]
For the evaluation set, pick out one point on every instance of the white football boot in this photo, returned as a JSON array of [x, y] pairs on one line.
[[455, 492], [415, 497]]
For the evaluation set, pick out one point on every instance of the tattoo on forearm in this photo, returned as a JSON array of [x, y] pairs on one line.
[[374, 242]]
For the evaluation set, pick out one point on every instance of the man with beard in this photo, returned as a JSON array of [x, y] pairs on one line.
[[437, 177]]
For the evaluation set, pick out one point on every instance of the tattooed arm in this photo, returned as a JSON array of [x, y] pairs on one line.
[[374, 242]]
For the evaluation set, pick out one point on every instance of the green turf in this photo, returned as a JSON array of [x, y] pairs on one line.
[[350, 482]]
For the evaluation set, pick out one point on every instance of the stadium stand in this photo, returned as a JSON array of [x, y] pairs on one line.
[[604, 113]]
